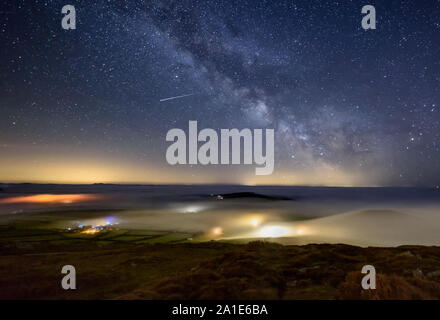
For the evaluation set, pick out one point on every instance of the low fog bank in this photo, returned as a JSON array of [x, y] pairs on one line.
[[358, 216]]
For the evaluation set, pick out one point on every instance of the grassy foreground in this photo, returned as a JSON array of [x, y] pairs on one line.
[[121, 265]]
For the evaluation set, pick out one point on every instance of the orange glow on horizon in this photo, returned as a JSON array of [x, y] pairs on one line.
[[51, 198]]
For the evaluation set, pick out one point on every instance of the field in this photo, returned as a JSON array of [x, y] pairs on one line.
[[136, 264]]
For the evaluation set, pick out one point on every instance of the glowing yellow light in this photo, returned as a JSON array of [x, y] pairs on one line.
[[90, 231], [255, 222], [273, 232], [299, 231], [217, 231]]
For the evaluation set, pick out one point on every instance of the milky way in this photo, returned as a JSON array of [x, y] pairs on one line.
[[349, 106]]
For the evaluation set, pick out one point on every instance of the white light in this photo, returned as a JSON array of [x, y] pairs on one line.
[[273, 232], [217, 231], [255, 222], [192, 209]]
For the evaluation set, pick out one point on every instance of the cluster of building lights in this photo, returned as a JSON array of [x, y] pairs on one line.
[[92, 229]]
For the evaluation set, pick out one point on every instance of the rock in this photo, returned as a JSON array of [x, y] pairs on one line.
[[305, 269], [417, 273], [407, 254], [434, 274]]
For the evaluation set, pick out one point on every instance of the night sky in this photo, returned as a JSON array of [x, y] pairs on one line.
[[349, 107]]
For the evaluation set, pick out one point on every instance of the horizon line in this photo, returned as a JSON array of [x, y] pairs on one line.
[[211, 184]]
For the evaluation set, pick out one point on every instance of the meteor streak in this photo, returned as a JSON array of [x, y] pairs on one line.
[[176, 97]]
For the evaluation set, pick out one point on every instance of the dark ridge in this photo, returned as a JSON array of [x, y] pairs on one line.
[[239, 195]]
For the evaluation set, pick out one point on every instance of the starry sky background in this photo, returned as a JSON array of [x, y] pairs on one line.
[[349, 107]]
